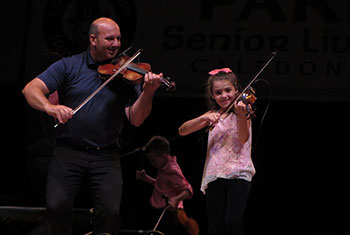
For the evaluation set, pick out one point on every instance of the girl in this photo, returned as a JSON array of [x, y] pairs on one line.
[[228, 169]]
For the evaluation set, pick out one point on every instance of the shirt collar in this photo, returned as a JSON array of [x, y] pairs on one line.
[[90, 62]]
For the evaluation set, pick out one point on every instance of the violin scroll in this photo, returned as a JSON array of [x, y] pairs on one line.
[[248, 98]]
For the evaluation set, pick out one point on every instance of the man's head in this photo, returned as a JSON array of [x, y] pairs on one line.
[[158, 151], [104, 38]]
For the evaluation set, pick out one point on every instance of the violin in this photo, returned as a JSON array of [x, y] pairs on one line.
[[133, 73], [112, 74], [189, 223]]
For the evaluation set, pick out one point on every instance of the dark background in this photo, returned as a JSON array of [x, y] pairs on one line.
[[301, 153]]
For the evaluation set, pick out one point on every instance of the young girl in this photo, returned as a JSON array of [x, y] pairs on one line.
[[228, 169]]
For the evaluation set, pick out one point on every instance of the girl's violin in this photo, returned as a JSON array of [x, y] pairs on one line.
[[248, 98], [133, 73]]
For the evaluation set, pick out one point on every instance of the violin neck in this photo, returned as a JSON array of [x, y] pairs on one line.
[[165, 81], [137, 69]]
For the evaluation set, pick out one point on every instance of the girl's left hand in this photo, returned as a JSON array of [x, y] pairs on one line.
[[241, 109]]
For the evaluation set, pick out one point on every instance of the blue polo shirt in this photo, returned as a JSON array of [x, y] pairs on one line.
[[99, 122]]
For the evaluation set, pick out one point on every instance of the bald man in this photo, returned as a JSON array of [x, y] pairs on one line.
[[87, 141]]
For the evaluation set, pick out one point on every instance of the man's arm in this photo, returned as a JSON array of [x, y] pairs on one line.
[[140, 110], [35, 93]]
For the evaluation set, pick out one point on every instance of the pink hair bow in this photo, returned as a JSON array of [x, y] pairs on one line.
[[215, 71]]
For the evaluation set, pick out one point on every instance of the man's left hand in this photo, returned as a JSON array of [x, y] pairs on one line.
[[152, 82]]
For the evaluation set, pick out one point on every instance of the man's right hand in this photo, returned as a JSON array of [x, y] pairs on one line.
[[60, 112]]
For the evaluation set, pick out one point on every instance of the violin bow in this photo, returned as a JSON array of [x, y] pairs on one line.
[[164, 209], [273, 54], [137, 53]]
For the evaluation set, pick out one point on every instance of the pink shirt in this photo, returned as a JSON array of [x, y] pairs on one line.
[[227, 157], [170, 181]]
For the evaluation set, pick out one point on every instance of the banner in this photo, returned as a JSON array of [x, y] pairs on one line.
[[311, 38], [186, 39]]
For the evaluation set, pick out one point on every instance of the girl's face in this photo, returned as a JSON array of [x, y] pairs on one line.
[[223, 93]]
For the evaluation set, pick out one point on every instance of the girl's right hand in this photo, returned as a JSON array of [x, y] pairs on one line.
[[211, 118], [208, 119]]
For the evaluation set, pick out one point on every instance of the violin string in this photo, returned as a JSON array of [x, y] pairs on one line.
[[273, 54]]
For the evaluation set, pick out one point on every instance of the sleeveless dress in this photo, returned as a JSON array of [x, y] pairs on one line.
[[227, 157]]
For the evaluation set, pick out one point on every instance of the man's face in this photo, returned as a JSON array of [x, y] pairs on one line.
[[107, 42]]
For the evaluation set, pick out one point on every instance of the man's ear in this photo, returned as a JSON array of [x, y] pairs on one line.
[[92, 39]]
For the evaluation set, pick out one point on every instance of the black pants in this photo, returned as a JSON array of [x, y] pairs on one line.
[[68, 168], [226, 202]]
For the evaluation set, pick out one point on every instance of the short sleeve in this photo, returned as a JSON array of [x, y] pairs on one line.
[[54, 76]]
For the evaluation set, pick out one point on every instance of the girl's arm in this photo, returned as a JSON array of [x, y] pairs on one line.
[[243, 123], [198, 123], [243, 129]]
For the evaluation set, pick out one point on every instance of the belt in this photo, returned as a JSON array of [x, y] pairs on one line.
[[88, 147]]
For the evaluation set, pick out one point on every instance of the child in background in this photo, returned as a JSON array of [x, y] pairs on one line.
[[170, 183]]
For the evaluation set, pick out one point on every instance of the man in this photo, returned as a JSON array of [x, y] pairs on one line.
[[87, 140]]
